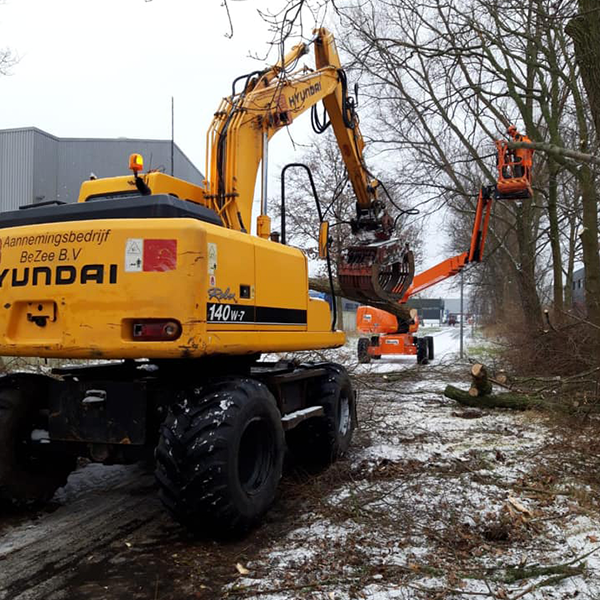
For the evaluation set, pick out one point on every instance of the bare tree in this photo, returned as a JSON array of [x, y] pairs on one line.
[[7, 59], [445, 78]]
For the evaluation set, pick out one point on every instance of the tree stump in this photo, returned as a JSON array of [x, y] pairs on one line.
[[481, 385]]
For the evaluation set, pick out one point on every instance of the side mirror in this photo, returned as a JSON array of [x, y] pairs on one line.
[[324, 239]]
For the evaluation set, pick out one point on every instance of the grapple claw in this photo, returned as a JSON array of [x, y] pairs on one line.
[[377, 272]]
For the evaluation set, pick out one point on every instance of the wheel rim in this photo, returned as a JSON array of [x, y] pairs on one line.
[[26, 449], [344, 416], [256, 455]]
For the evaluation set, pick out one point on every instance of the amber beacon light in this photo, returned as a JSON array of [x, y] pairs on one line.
[[136, 162]]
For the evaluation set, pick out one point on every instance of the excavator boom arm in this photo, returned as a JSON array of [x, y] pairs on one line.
[[245, 122], [377, 268]]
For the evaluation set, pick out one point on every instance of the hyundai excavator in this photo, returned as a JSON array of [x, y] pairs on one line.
[[163, 285], [390, 335]]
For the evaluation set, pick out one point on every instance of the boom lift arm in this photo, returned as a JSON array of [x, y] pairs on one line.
[[392, 335], [454, 265], [381, 268], [513, 183]]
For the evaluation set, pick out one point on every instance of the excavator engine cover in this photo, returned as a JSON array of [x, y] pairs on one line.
[[377, 272]]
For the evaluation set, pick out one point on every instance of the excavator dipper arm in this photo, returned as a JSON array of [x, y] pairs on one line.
[[377, 268]]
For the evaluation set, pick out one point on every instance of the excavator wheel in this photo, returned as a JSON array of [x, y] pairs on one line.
[[320, 441], [30, 470], [362, 350], [422, 351], [220, 455]]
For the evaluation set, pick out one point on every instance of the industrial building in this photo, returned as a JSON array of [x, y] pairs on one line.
[[38, 167], [578, 293]]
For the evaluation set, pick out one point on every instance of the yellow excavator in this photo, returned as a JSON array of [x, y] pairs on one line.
[[162, 283]]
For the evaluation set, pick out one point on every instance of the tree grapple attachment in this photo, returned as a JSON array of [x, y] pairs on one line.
[[376, 272]]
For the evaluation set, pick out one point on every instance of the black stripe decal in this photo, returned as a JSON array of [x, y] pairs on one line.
[[217, 312], [268, 314]]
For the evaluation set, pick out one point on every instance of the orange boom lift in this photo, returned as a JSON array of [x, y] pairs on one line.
[[390, 336]]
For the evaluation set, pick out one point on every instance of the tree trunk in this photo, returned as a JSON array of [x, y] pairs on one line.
[[481, 385], [507, 400], [557, 269], [589, 243], [584, 29], [530, 301], [570, 262]]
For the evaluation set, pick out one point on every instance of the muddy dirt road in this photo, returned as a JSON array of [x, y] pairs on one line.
[[71, 552]]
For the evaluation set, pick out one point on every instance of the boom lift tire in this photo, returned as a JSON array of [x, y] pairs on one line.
[[430, 354], [320, 441], [30, 472], [422, 351], [363, 355], [220, 456]]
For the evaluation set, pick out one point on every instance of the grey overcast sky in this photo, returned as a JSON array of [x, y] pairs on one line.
[[108, 68]]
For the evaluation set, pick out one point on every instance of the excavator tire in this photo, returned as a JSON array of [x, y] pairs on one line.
[[30, 472], [430, 354], [363, 355], [220, 455], [320, 441], [422, 351]]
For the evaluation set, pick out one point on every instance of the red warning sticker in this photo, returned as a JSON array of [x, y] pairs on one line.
[[160, 255], [150, 255]]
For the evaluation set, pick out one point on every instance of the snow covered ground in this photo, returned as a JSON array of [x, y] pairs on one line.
[[434, 501]]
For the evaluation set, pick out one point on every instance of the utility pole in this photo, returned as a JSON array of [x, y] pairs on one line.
[[172, 136], [462, 314]]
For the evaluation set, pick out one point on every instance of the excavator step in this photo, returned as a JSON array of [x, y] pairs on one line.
[[376, 272]]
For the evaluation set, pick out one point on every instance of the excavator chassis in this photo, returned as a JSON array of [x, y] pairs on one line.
[[218, 427]]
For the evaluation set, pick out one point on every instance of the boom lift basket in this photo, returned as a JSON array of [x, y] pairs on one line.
[[514, 173]]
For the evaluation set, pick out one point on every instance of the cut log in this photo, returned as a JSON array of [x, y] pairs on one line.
[[481, 385], [501, 377], [506, 400]]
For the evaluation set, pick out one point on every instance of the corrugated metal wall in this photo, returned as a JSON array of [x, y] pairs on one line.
[[16, 168], [45, 167], [35, 166]]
